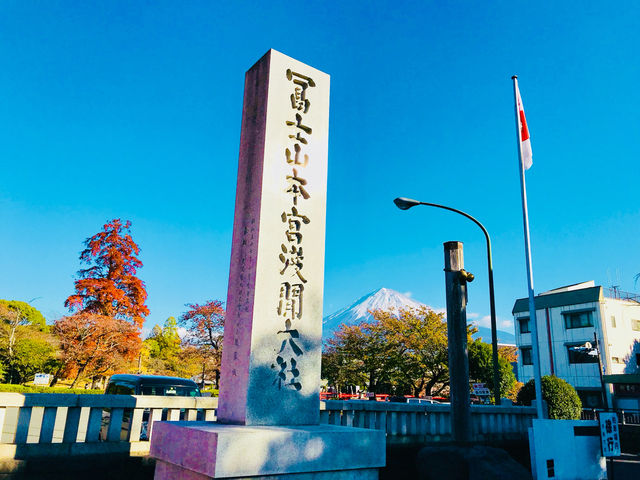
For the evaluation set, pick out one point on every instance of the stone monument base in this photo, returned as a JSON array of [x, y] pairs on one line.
[[205, 450]]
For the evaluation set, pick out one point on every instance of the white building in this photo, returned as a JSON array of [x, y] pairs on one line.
[[567, 319]]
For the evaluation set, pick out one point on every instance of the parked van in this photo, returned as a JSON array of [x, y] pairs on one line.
[[126, 384]]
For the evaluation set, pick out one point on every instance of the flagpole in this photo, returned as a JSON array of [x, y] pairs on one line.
[[527, 248]]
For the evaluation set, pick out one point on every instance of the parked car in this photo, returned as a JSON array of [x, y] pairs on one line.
[[127, 384], [422, 401]]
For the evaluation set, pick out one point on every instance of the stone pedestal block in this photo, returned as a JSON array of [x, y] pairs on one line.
[[204, 450]]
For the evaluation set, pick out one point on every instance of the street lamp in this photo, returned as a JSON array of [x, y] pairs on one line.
[[407, 203], [594, 351]]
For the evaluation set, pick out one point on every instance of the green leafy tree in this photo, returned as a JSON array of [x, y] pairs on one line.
[[406, 351], [164, 342], [25, 346], [356, 355], [33, 354], [163, 350], [420, 349], [26, 314], [481, 367], [153, 342], [562, 399]]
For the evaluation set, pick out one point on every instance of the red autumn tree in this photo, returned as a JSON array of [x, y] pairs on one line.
[[205, 328], [94, 345], [109, 304], [109, 286]]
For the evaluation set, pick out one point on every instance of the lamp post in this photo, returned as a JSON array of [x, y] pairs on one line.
[[407, 203], [589, 349]]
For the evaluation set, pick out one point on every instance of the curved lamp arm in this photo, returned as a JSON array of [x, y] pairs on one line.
[[405, 204]]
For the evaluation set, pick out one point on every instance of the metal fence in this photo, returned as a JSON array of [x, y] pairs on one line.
[[620, 295], [625, 416]]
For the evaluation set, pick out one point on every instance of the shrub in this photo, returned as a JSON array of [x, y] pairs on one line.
[[512, 393], [5, 387], [213, 391], [561, 397]]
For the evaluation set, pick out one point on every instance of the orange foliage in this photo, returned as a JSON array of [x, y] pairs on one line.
[[110, 286], [510, 353], [205, 325], [94, 345]]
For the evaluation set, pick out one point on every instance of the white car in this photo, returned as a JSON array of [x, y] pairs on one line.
[[421, 401]]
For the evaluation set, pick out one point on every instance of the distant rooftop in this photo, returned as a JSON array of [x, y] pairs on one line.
[[584, 292], [568, 288]]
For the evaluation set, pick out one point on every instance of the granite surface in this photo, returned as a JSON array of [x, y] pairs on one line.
[[221, 450]]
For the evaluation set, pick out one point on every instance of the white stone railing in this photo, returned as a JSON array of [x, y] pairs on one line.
[[57, 425], [407, 423], [40, 424]]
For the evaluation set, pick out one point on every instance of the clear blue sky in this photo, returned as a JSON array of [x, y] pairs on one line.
[[132, 110]]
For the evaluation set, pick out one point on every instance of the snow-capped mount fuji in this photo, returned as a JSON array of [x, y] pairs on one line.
[[381, 299], [385, 299]]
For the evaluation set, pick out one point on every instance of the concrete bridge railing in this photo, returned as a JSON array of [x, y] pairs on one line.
[[40, 424], [429, 422], [56, 425]]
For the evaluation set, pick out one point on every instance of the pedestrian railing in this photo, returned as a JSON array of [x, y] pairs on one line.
[[52, 424], [58, 425], [428, 422], [625, 416]]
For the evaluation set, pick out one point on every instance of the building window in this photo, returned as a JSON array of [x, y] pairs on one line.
[[525, 327], [613, 321], [580, 354], [526, 356], [550, 469], [578, 319], [626, 389], [635, 325], [590, 398]]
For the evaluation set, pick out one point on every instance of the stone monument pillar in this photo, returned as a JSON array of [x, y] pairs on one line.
[[273, 327], [268, 416]]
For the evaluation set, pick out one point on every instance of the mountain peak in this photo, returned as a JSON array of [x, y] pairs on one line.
[[386, 299], [380, 299]]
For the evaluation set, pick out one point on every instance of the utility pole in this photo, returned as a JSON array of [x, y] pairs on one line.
[[456, 279]]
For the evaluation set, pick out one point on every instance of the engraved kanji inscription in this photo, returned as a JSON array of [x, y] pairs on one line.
[[291, 259], [296, 187], [290, 304], [300, 126], [296, 158], [301, 82]]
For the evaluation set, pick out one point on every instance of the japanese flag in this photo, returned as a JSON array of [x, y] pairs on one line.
[[525, 141]]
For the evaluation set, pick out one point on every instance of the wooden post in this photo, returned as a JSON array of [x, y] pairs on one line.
[[456, 286]]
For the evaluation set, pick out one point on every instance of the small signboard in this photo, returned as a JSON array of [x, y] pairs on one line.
[[42, 379], [480, 389], [609, 434]]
